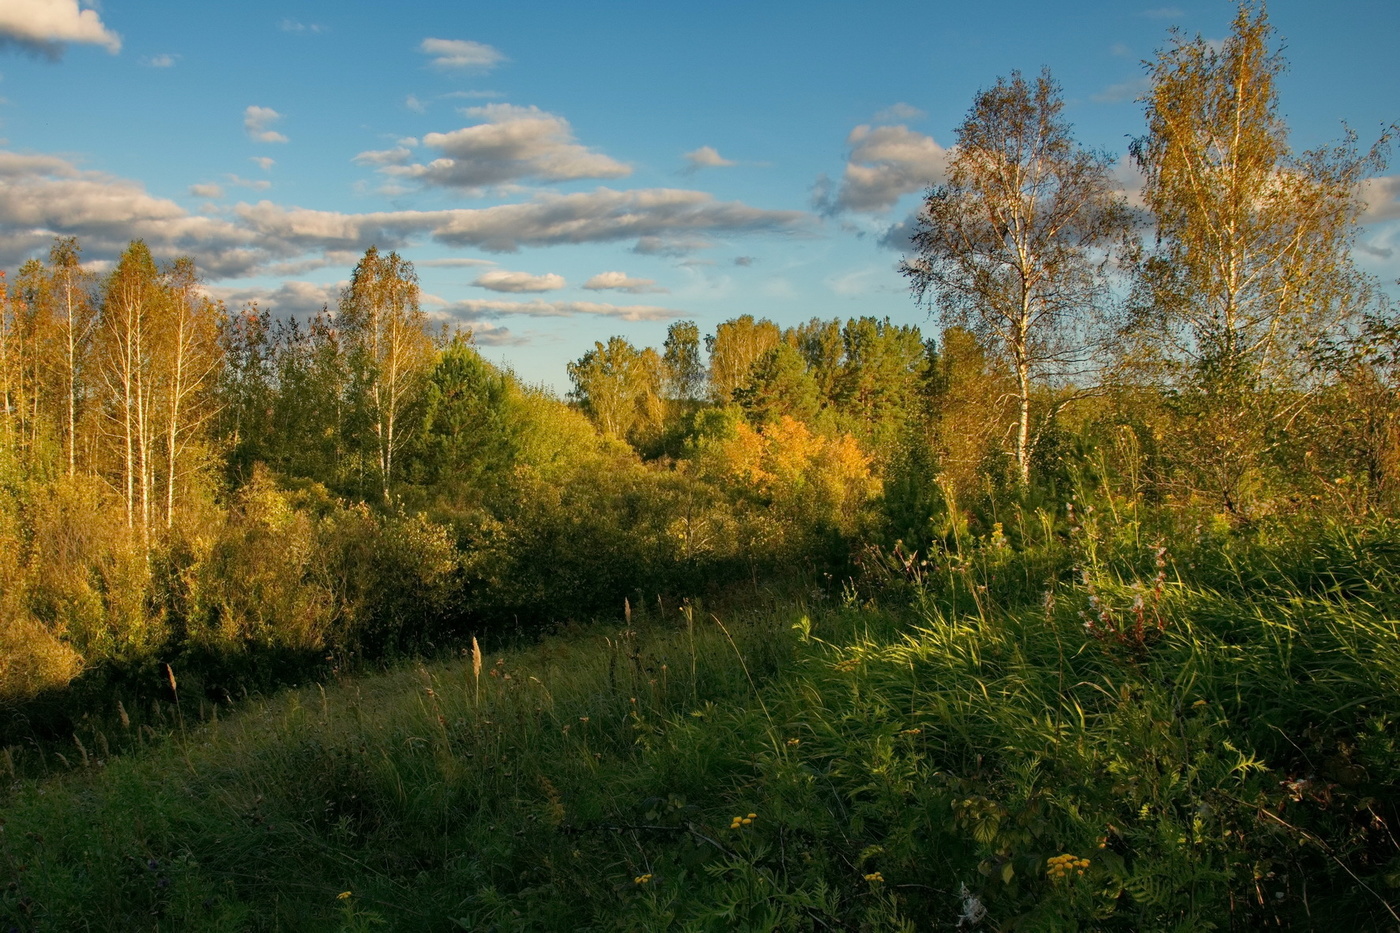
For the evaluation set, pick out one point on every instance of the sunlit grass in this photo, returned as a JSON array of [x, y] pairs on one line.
[[1216, 749]]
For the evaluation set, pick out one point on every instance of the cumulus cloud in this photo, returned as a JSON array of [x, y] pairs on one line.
[[461, 54], [600, 216], [477, 309], [45, 26], [1382, 197], [257, 120], [499, 280], [300, 299], [513, 144], [44, 196], [705, 157], [898, 236], [621, 281], [886, 163], [413, 103], [160, 61], [263, 162]]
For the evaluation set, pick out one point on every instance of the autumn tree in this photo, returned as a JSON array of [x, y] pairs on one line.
[[386, 333], [1252, 265], [619, 387], [734, 348], [1015, 245], [191, 359], [75, 319], [131, 298]]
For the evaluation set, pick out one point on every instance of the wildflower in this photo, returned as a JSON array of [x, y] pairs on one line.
[[343, 896], [1059, 867], [794, 742], [875, 877], [642, 879]]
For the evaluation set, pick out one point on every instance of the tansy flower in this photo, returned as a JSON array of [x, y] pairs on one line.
[[875, 877]]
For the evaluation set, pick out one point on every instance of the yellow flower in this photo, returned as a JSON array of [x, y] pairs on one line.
[[875, 877], [642, 879], [343, 895]]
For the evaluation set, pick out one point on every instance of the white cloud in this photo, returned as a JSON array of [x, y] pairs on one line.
[[513, 144], [302, 299], [45, 196], [396, 156], [622, 282], [886, 163], [657, 217], [499, 280], [897, 113], [705, 157], [414, 104], [263, 162], [44, 26], [167, 60], [475, 309], [256, 184], [257, 120], [461, 53], [1382, 197]]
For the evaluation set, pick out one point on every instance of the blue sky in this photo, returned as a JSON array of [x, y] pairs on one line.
[[562, 172]]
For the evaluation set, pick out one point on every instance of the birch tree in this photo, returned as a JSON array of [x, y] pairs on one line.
[[76, 318], [1015, 245], [190, 359], [387, 333], [130, 305], [1253, 241], [1252, 267]]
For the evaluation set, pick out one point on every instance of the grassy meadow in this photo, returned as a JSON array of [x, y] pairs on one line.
[[1098, 730]]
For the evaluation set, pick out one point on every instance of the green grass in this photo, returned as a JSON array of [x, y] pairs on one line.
[[1224, 756]]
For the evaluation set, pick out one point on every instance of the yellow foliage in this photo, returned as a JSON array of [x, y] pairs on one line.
[[810, 479]]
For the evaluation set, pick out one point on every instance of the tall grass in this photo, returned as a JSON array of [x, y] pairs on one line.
[[1089, 723]]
